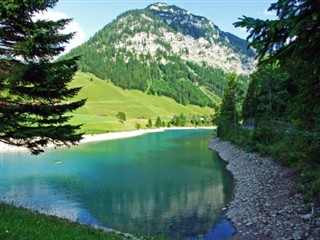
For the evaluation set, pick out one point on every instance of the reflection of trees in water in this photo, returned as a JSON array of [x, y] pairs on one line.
[[176, 207]]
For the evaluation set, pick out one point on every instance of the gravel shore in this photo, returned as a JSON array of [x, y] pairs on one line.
[[266, 204]]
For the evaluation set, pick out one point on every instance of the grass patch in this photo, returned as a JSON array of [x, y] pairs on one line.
[[19, 223], [104, 101]]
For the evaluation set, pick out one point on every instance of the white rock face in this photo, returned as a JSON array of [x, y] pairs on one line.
[[212, 48], [190, 49]]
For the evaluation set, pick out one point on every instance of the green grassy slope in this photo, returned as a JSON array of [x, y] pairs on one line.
[[105, 100], [22, 224]]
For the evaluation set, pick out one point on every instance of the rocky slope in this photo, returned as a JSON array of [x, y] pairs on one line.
[[266, 204], [194, 38]]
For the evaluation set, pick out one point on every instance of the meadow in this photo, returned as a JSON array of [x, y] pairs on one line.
[[105, 100]]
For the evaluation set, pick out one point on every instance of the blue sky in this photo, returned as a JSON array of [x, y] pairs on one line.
[[90, 16]]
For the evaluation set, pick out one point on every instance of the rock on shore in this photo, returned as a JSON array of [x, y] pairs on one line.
[[265, 205]]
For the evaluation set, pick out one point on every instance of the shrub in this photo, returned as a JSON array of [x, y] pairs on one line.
[[121, 116]]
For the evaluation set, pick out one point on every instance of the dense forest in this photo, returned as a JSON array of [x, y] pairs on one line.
[[163, 73], [280, 113]]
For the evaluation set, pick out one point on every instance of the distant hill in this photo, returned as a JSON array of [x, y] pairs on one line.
[[105, 100], [165, 50]]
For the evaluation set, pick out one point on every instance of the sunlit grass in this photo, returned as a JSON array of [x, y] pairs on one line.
[[19, 223], [105, 100]]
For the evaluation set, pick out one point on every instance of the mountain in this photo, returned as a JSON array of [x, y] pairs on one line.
[[165, 50]]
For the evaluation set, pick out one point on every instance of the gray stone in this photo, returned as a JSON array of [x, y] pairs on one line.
[[262, 206], [297, 235], [248, 224]]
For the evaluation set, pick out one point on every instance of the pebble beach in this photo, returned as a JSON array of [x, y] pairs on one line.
[[266, 204]]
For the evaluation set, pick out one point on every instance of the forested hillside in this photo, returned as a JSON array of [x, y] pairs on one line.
[[148, 50]]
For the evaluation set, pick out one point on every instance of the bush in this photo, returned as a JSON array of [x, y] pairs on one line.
[[121, 116]]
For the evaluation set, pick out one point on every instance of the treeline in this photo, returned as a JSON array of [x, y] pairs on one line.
[[280, 113], [181, 120], [164, 73]]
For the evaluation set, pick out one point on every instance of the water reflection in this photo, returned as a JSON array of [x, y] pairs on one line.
[[165, 183]]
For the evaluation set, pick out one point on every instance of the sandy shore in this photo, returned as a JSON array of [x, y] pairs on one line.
[[109, 136], [266, 204]]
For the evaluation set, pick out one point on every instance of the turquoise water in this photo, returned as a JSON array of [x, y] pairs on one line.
[[166, 183]]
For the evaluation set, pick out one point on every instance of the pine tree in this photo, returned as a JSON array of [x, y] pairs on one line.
[[228, 117], [149, 125], [158, 123], [293, 41], [34, 93]]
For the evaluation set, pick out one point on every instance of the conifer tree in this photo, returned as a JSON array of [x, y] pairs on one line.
[[293, 41], [228, 117], [34, 93], [149, 125], [158, 123]]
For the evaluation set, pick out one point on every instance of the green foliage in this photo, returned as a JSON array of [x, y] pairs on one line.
[[228, 117], [158, 123], [18, 223], [179, 121], [34, 93], [298, 22], [138, 126], [149, 125], [166, 45], [105, 100], [268, 101], [293, 39], [121, 116], [283, 96]]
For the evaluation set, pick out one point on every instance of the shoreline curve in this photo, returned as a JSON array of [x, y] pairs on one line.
[[266, 204], [108, 136]]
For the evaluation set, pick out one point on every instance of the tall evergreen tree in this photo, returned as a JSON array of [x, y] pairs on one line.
[[293, 40], [268, 101], [149, 124], [34, 93], [158, 123], [228, 117]]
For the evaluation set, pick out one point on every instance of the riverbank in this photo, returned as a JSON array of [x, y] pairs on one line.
[[266, 204], [135, 133], [109, 136]]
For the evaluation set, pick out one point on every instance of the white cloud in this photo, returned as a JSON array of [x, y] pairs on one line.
[[268, 13], [73, 26]]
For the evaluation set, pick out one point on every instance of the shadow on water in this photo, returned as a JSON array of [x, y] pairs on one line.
[[166, 183], [223, 229]]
